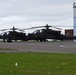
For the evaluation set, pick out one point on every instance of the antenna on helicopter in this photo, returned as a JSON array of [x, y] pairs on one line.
[[13, 28], [47, 26]]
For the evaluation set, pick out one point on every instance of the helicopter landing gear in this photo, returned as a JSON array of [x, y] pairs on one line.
[[9, 40], [42, 40], [4, 40]]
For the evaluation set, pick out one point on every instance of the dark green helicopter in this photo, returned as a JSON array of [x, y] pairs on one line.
[[47, 33], [13, 34]]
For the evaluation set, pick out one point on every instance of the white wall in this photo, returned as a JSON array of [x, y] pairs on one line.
[[74, 12]]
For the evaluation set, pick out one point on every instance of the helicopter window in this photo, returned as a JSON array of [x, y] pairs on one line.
[[40, 31], [7, 33], [37, 31]]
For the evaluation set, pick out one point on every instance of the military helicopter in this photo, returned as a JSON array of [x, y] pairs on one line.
[[13, 34], [38, 35], [47, 33]]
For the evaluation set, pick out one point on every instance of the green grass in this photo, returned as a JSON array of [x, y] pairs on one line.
[[37, 64]]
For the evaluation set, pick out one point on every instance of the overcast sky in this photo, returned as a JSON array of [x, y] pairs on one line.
[[28, 13]]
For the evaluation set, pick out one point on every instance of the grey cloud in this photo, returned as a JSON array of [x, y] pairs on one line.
[[28, 7], [36, 10]]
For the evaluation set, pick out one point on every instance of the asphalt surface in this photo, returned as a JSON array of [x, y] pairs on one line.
[[59, 47]]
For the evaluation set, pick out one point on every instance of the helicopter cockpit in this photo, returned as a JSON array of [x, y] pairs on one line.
[[39, 31]]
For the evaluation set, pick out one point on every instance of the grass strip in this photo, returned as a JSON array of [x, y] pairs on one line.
[[37, 64]]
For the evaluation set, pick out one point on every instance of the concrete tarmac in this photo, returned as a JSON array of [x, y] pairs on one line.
[[58, 47]]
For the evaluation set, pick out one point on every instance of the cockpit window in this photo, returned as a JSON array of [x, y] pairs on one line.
[[37, 31]]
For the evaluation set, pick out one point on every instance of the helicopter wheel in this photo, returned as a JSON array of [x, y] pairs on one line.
[[44, 40], [9, 40], [4, 40], [41, 40]]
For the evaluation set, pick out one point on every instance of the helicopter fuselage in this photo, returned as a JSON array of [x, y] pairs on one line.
[[13, 35]]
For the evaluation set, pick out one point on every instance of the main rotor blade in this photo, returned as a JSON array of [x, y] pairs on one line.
[[34, 27], [12, 29], [46, 26], [4, 29], [56, 27], [16, 29]]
